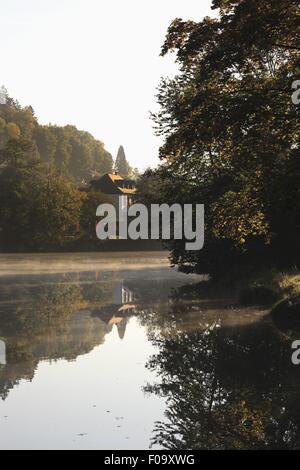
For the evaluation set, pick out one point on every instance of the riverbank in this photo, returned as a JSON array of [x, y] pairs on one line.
[[280, 292], [269, 287]]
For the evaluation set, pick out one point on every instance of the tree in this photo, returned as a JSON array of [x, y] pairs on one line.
[[13, 131], [102, 160], [3, 95], [19, 156], [81, 160], [55, 214], [121, 164], [39, 209], [39, 214], [46, 142], [3, 132], [88, 219], [232, 132]]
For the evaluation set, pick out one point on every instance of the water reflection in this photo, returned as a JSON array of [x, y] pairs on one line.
[[2, 353], [65, 316], [229, 384], [223, 374]]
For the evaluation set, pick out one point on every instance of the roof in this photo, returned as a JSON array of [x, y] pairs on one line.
[[115, 177], [114, 184], [127, 190]]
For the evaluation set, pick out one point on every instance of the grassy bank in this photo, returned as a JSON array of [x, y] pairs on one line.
[[269, 287], [279, 291]]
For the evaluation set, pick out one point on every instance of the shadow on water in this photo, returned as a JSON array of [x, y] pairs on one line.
[[225, 371]]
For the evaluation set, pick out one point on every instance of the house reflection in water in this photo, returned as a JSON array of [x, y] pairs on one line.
[[123, 295], [2, 353], [119, 312]]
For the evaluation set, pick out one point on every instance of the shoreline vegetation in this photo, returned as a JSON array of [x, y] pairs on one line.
[[231, 132], [274, 290]]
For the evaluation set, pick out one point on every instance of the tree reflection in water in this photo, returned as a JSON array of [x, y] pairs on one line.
[[226, 372], [50, 319], [227, 386]]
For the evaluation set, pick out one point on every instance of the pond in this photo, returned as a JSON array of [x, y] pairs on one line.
[[122, 352]]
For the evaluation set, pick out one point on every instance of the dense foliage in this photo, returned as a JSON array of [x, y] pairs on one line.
[[41, 170], [75, 154], [232, 132]]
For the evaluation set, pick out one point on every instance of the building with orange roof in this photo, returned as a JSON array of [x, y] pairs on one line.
[[115, 186]]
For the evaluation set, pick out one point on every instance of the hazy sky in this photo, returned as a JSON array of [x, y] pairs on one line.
[[92, 63]]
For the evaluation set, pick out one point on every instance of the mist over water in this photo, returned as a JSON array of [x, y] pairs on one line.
[[15, 264]]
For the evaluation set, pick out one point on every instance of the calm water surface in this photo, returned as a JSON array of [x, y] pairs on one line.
[[122, 352]]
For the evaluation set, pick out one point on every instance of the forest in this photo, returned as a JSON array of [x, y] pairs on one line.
[[75, 154], [44, 174]]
